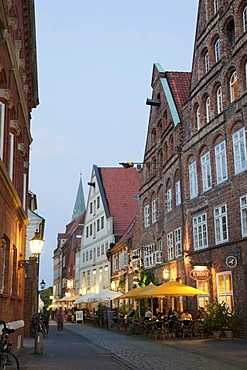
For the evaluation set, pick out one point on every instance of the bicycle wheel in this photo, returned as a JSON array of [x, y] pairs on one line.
[[8, 361]]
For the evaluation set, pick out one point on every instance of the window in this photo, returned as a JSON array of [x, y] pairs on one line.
[[146, 216], [98, 225], [243, 211], [178, 244], [98, 202], [3, 251], [193, 180], [200, 232], [11, 154], [224, 288], [239, 151], [245, 19], [169, 200], [102, 222], [198, 121], [87, 232], [178, 192], [170, 250], [86, 256], [220, 223], [98, 251], [216, 6], [217, 50], [2, 110], [91, 207], [154, 211], [24, 195], [91, 229], [207, 106], [233, 87], [202, 299], [206, 172], [220, 162], [88, 278], [102, 249], [91, 254], [219, 100], [206, 59]]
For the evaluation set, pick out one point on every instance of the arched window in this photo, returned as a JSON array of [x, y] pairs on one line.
[[198, 121], [216, 6], [217, 50], [206, 59], [233, 87], [219, 100], [208, 109], [245, 19]]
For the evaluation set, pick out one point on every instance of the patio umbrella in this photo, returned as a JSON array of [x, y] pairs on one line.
[[90, 297], [171, 288], [107, 294], [137, 292]]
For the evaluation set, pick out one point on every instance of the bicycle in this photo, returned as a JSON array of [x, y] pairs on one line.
[[8, 361]]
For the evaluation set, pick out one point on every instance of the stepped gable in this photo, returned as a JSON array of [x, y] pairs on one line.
[[179, 83], [120, 187]]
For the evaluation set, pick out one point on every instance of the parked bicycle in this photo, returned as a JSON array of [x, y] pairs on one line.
[[8, 361], [40, 324]]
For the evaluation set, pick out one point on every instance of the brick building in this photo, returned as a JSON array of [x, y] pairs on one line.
[[193, 197], [18, 96]]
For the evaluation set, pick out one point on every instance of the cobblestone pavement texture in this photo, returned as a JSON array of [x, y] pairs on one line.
[[137, 352]]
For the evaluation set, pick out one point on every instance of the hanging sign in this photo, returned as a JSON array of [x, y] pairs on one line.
[[200, 274]]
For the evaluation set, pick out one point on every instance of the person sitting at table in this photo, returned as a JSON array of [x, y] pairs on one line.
[[132, 312], [148, 314], [186, 316], [157, 313]]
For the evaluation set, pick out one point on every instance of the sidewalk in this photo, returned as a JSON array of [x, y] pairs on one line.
[[136, 352]]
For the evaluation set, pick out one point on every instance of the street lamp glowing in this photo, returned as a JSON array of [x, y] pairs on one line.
[[42, 284], [36, 244]]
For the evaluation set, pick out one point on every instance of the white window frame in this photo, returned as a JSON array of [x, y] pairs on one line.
[[207, 106], [170, 248], [233, 87], [178, 192], [169, 200], [11, 154], [154, 211], [217, 50], [2, 114], [206, 172], [243, 213], [245, 19], [225, 295], [206, 59], [178, 242], [221, 224], [200, 232], [216, 6], [239, 151], [193, 180], [220, 162], [202, 299], [219, 97], [146, 216]]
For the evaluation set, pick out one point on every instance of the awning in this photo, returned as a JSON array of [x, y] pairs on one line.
[[90, 297], [171, 288]]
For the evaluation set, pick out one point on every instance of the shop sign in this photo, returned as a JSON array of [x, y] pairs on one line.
[[200, 275]]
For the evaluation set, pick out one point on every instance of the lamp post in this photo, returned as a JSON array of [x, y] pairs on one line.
[[42, 285], [36, 246]]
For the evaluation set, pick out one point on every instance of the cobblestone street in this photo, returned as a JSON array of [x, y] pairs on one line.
[[133, 352]]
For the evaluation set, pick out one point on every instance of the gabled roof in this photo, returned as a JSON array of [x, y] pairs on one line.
[[127, 235], [118, 187], [176, 86]]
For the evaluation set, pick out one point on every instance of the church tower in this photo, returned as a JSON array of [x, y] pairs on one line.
[[79, 206]]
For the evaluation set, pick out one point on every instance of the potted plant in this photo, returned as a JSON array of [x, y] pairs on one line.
[[216, 318], [231, 324]]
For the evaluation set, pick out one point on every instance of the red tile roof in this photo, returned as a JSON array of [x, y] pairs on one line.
[[180, 85], [120, 185]]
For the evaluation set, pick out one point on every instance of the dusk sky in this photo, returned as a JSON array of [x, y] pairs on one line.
[[95, 62]]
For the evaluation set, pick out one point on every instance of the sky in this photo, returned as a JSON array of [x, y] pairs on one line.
[[95, 62]]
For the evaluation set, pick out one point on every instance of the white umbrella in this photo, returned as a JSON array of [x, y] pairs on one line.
[[107, 294], [90, 297]]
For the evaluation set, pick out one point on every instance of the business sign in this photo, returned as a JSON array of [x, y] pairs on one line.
[[200, 274]]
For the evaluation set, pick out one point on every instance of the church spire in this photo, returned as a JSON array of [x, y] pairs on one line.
[[79, 206]]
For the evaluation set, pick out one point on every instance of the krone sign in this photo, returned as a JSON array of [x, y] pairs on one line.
[[200, 275]]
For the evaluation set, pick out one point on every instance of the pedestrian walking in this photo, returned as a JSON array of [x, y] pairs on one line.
[[60, 319]]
